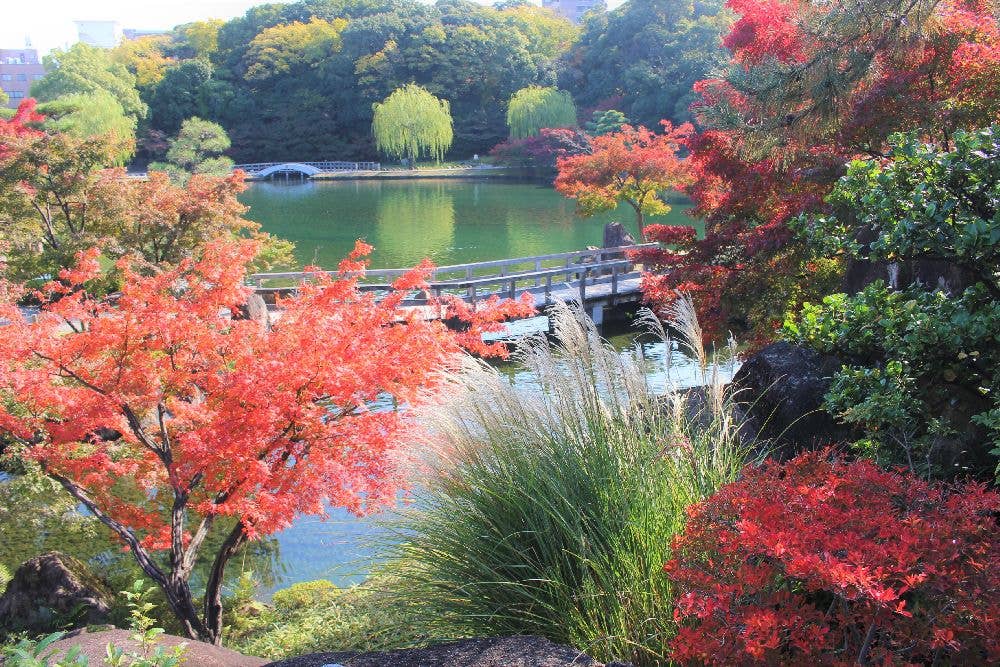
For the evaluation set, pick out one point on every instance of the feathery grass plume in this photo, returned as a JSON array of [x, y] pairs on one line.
[[550, 511]]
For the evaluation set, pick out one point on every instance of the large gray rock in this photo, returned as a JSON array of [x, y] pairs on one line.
[[255, 309], [51, 592], [615, 236], [526, 651], [780, 390]]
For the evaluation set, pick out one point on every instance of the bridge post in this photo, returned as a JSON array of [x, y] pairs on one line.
[[597, 315], [614, 283]]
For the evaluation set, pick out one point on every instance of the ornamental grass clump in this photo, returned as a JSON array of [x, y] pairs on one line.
[[550, 511]]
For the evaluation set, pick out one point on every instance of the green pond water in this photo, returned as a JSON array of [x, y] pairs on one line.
[[449, 221]]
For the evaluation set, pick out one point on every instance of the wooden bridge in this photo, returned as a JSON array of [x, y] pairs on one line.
[[262, 170], [598, 278]]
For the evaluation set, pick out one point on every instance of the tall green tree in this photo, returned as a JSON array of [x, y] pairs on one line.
[[180, 94], [87, 69], [645, 56], [411, 122], [533, 108], [605, 122], [92, 115], [287, 48]]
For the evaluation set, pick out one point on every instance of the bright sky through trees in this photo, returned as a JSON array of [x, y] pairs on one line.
[[53, 26]]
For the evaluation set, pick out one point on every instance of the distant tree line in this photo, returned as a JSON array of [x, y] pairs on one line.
[[288, 81]]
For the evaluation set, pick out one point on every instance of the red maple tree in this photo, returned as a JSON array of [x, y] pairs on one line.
[[634, 166], [166, 418], [812, 86], [822, 561]]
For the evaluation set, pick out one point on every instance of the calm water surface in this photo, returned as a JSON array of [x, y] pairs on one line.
[[449, 221]]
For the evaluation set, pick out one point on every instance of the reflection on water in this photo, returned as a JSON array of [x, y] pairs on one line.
[[415, 220], [451, 221]]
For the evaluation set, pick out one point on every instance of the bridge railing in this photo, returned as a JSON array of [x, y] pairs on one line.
[[323, 165], [346, 166], [473, 281]]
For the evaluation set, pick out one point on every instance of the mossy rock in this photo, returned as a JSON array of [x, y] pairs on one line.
[[52, 592]]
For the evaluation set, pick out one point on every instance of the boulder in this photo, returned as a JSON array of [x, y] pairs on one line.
[[615, 236], [51, 592], [522, 651], [780, 391], [254, 309], [93, 645]]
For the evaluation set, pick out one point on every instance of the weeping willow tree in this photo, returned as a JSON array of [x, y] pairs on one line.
[[534, 108], [411, 122]]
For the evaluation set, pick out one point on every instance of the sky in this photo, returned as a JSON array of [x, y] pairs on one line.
[[49, 23]]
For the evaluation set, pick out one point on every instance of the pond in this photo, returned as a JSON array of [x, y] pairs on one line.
[[448, 220]]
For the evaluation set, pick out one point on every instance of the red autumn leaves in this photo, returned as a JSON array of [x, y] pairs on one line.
[[823, 561]]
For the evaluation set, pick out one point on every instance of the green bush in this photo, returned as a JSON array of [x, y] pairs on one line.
[[920, 363], [316, 616], [551, 512]]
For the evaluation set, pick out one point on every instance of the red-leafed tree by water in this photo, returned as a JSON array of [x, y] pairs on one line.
[[635, 166], [167, 419], [813, 85]]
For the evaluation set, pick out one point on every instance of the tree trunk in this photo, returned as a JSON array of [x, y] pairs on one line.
[[213, 589], [176, 590], [640, 219]]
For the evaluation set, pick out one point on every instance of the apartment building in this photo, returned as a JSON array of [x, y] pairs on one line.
[[19, 68]]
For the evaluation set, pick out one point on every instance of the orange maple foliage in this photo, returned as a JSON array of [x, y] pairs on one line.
[[159, 395], [633, 166]]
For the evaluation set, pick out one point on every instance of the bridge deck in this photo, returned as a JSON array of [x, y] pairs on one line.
[[593, 277]]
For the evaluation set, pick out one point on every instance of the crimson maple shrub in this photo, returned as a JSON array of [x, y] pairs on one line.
[[825, 561], [540, 151], [165, 418]]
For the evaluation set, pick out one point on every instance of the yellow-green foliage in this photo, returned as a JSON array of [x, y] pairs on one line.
[[411, 122], [317, 616], [86, 115], [534, 108], [283, 48]]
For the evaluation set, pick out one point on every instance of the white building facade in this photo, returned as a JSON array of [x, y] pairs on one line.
[[102, 34], [573, 9]]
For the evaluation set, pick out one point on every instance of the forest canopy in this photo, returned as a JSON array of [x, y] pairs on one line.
[[298, 80]]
